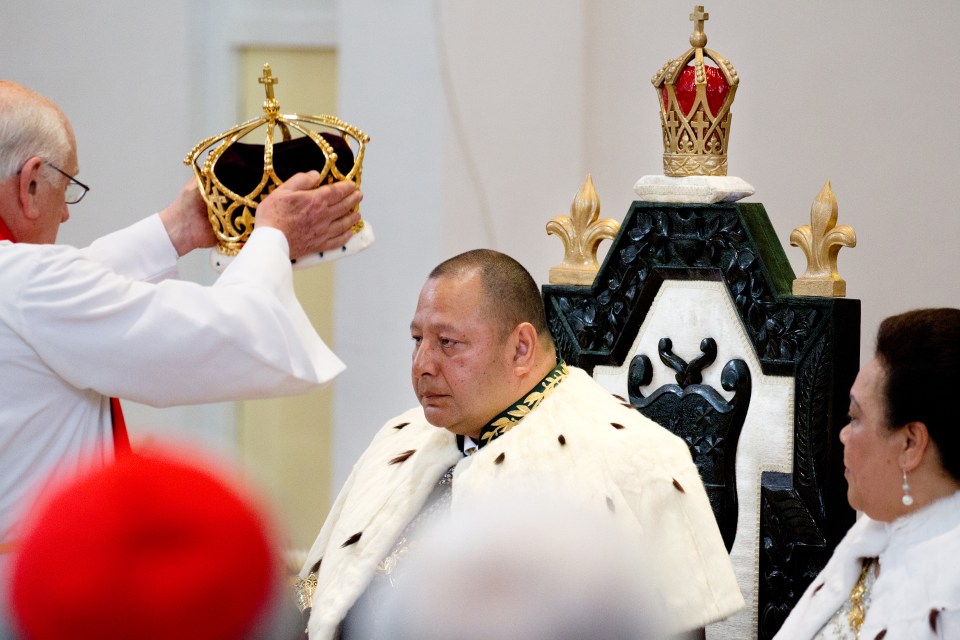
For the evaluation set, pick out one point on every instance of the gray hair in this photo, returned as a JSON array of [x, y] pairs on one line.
[[30, 125]]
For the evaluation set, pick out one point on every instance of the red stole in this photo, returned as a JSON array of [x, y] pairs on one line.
[[5, 233], [121, 441]]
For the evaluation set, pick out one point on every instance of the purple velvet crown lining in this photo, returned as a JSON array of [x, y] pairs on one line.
[[240, 168]]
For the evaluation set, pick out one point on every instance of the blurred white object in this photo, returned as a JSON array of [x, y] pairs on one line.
[[522, 568]]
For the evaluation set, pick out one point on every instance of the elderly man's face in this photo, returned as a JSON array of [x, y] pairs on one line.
[[462, 366]]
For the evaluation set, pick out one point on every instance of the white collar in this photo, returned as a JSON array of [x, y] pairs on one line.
[[930, 521], [871, 538], [470, 446]]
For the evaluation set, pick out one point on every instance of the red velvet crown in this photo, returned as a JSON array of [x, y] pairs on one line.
[[695, 102]]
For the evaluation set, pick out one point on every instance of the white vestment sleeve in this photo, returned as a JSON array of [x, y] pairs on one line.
[[176, 342], [142, 251]]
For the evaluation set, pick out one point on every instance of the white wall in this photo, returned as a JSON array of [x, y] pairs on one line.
[[485, 117], [388, 87]]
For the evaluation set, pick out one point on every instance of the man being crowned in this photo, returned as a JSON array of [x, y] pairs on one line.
[[500, 414]]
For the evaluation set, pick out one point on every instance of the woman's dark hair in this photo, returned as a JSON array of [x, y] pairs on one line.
[[920, 353]]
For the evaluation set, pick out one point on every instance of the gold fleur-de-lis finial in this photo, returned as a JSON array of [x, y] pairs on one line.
[[581, 232], [821, 241]]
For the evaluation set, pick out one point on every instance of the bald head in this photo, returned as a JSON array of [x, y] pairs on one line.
[[511, 294], [31, 125]]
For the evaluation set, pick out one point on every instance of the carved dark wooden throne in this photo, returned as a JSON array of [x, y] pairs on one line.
[[704, 291]]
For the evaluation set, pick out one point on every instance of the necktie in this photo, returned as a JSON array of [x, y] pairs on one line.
[[121, 441]]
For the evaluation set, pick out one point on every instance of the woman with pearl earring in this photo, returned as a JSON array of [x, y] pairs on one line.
[[896, 574]]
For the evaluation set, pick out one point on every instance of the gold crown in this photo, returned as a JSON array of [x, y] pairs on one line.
[[236, 176], [695, 107]]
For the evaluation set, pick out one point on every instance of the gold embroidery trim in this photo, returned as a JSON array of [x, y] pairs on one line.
[[509, 419]]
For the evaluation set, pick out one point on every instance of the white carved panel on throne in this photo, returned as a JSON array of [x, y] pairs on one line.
[[686, 312]]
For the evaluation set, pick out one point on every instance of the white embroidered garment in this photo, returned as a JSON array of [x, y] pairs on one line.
[[916, 595], [609, 455], [156, 341]]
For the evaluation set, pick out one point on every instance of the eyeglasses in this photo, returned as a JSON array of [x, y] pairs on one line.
[[75, 189]]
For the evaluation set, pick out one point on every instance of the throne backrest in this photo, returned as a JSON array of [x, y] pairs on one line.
[[754, 380], [709, 423]]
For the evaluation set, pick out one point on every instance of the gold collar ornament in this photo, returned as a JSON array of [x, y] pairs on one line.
[[512, 415], [695, 100], [234, 176], [858, 610]]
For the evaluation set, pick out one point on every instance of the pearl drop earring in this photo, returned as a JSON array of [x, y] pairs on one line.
[[907, 498]]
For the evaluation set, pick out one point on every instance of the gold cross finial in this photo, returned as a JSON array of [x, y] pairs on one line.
[[267, 80], [698, 17]]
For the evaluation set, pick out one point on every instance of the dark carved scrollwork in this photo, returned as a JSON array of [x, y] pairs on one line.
[[797, 532], [709, 424], [793, 549], [682, 241], [815, 340], [688, 373]]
